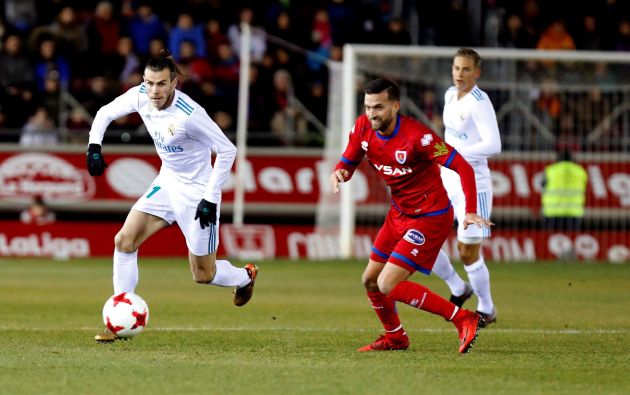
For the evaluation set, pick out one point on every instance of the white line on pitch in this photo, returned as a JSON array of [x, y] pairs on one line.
[[348, 330]]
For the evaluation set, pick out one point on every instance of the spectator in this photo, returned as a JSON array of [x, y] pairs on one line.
[[322, 31], [51, 65], [556, 37], [187, 30], [589, 37], [144, 27], [104, 30], [124, 61], [70, 34], [39, 131], [515, 35], [213, 37], [15, 67], [396, 33], [622, 41], [258, 39], [282, 112], [37, 213], [20, 14]]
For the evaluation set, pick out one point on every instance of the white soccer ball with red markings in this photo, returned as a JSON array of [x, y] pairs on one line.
[[126, 314]]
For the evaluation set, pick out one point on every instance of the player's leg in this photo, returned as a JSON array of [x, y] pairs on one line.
[[469, 242], [202, 249], [395, 337], [443, 268], [417, 251], [148, 215], [479, 278], [460, 290], [138, 227]]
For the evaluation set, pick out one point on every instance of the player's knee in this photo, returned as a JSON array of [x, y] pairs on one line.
[[385, 285], [201, 276], [468, 255], [369, 283], [124, 243]]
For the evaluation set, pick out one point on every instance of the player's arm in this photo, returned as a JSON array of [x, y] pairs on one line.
[[447, 156], [349, 161], [202, 127], [485, 121], [121, 106]]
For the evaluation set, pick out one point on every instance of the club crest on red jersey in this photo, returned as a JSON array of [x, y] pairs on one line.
[[401, 157], [415, 237]]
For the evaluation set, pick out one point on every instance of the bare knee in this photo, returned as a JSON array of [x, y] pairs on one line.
[[124, 243], [468, 253], [203, 269], [369, 283], [201, 276], [385, 284]]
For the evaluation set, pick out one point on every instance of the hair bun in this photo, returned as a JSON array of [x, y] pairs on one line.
[[165, 53]]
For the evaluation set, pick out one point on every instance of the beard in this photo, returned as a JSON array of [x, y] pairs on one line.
[[380, 124]]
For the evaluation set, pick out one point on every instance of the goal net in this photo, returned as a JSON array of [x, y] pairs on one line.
[[544, 101]]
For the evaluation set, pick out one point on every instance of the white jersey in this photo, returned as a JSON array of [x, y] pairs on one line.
[[184, 137], [471, 128]]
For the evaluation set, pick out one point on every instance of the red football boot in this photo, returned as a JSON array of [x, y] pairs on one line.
[[468, 325], [388, 342]]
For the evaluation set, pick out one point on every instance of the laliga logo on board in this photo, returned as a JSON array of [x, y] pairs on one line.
[[26, 175]]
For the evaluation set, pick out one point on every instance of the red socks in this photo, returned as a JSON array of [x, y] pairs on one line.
[[385, 310], [421, 297]]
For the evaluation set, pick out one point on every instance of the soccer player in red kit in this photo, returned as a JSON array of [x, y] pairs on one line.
[[407, 155]]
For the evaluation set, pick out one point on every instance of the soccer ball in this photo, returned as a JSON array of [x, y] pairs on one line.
[[125, 314]]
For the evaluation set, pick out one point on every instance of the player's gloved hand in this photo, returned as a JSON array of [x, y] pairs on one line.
[[207, 213], [95, 162]]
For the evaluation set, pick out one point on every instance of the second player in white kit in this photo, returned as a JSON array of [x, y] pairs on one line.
[[471, 127]]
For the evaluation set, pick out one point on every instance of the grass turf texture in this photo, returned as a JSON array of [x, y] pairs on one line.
[[562, 329]]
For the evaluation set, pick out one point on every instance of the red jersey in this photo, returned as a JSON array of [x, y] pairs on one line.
[[408, 161]]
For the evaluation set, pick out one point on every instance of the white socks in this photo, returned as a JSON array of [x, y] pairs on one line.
[[230, 276], [444, 270], [125, 271], [479, 278]]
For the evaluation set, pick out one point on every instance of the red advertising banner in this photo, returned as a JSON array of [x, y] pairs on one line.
[[277, 180], [89, 239]]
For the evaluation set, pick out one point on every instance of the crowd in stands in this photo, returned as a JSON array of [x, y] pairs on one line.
[[95, 50]]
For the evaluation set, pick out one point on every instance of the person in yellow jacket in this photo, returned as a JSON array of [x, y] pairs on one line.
[[564, 193]]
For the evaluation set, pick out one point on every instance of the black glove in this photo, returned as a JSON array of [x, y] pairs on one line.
[[207, 213], [95, 162]]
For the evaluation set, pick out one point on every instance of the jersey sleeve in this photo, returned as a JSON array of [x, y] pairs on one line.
[[204, 129], [434, 148], [485, 121], [353, 154], [124, 104]]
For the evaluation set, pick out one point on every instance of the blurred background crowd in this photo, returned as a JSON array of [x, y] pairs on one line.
[[60, 61]]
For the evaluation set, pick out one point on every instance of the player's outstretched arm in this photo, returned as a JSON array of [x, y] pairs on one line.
[[475, 219], [338, 176]]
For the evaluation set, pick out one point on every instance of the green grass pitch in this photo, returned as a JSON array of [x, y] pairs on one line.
[[563, 328]]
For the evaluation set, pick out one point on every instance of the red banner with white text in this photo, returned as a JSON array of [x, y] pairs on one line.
[[279, 180], [252, 242]]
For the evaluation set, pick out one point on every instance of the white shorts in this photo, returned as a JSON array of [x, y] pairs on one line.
[[176, 202], [453, 186]]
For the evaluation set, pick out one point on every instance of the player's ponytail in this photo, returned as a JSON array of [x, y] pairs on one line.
[[165, 60]]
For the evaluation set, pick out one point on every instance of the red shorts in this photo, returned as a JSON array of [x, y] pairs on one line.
[[412, 243]]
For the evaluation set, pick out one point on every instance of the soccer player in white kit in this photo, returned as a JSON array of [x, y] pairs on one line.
[[471, 127], [186, 189]]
